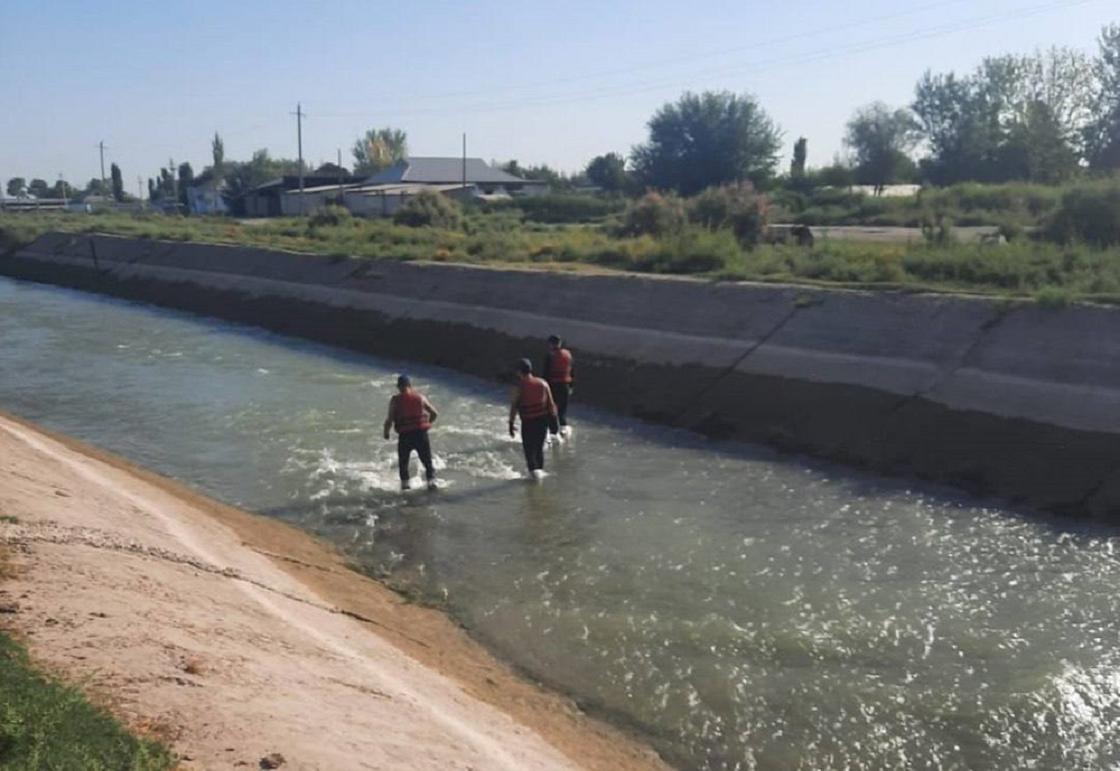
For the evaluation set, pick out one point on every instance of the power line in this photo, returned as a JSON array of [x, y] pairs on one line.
[[712, 54], [758, 66]]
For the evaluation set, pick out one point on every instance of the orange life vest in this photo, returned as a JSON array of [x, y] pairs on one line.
[[533, 402], [560, 366], [409, 413]]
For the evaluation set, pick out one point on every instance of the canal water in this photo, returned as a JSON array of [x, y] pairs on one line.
[[740, 608]]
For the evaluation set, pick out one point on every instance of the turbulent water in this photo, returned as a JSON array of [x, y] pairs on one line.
[[742, 609]]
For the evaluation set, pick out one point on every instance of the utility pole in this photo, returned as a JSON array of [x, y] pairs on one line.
[[101, 148], [139, 188], [62, 189], [299, 143], [340, 172], [464, 163]]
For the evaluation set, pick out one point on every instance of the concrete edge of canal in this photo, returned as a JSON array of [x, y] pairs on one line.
[[997, 398]]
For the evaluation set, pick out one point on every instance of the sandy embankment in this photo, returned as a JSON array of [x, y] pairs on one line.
[[232, 636]]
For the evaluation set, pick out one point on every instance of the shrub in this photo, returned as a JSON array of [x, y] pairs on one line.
[[694, 250], [330, 215], [1090, 214], [430, 209], [1053, 297], [937, 231], [737, 208], [565, 208], [654, 214]]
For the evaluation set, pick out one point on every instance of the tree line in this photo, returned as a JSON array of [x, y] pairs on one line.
[[1042, 117]]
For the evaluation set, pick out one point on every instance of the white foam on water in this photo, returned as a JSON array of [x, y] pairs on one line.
[[366, 476], [484, 433], [482, 465]]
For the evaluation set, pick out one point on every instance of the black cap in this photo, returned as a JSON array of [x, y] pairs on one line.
[[525, 367], [554, 339], [404, 381]]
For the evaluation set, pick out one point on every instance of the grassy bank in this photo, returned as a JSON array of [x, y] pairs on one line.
[[1013, 205], [47, 725], [1045, 270]]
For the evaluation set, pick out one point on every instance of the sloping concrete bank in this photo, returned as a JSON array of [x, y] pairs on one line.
[[1012, 400]]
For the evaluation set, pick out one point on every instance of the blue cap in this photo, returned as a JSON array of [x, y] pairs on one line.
[[404, 381]]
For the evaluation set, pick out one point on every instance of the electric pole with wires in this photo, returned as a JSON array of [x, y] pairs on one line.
[[101, 150], [299, 113]]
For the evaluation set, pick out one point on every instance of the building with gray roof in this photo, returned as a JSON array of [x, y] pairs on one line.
[[423, 170]]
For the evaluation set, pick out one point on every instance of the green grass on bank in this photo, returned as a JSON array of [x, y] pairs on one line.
[[47, 725], [1023, 268]]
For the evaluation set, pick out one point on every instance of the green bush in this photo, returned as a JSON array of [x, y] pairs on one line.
[[1090, 214], [564, 208], [694, 250], [331, 215], [735, 207], [937, 231], [430, 209], [654, 214], [1053, 297]]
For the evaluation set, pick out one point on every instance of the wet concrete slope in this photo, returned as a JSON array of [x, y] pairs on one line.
[[1012, 400]]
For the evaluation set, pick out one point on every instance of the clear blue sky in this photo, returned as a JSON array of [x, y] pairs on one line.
[[543, 82]]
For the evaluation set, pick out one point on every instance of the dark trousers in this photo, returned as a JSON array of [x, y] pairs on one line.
[[533, 433], [414, 440], [560, 394]]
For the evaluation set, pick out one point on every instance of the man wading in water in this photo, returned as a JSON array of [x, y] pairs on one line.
[[559, 371], [532, 399], [412, 415]]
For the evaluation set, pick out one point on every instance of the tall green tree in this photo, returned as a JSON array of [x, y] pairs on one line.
[[608, 172], [62, 189], [880, 139], [1102, 132], [165, 184], [39, 188], [976, 125], [218, 154], [800, 157], [1036, 148], [540, 173], [116, 182], [242, 177], [707, 139], [17, 186], [186, 178], [378, 149], [837, 174]]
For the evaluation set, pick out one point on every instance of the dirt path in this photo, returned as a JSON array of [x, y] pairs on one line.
[[233, 637]]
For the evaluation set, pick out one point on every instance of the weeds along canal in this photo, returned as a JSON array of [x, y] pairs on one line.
[[743, 609]]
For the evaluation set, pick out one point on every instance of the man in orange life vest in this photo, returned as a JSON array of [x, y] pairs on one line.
[[560, 372], [412, 415], [532, 400]]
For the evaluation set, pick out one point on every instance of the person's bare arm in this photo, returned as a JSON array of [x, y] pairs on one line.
[[432, 414], [389, 417], [515, 397]]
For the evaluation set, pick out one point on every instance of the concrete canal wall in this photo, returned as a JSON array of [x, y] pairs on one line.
[[1006, 399]]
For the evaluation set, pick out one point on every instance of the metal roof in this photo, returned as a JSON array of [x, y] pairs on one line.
[[434, 171], [407, 188]]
